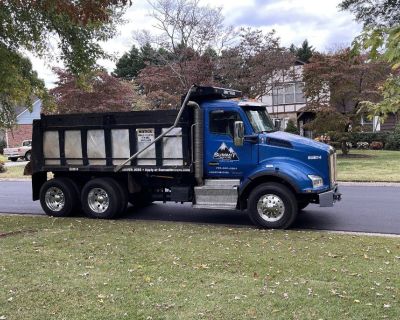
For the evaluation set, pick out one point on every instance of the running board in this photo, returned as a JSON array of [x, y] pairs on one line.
[[217, 194]]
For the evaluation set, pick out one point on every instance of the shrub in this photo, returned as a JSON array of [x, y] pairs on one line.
[[2, 146], [291, 127], [393, 140], [2, 167], [369, 137], [362, 145], [376, 145]]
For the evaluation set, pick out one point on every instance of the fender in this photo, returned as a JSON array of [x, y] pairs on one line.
[[272, 175], [292, 172]]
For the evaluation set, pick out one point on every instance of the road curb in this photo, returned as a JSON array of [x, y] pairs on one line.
[[15, 179], [339, 232], [369, 184]]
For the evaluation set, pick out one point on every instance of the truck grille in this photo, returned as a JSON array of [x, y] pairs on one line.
[[332, 168]]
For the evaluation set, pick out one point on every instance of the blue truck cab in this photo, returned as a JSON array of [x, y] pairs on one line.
[[222, 152]]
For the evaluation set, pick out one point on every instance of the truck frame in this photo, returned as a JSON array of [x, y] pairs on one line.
[[206, 153]]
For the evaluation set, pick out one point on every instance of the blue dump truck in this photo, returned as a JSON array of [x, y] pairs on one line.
[[217, 152]]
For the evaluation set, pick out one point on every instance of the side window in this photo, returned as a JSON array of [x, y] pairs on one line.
[[222, 122]]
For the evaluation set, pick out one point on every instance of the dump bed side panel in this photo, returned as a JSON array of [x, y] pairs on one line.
[[101, 141]]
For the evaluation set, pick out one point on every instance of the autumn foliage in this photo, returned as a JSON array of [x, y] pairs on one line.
[[101, 93]]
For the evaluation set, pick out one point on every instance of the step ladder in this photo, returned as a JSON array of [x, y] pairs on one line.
[[217, 194]]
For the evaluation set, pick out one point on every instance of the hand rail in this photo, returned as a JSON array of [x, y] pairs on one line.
[[185, 101]]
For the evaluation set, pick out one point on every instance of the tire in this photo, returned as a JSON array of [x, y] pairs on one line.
[[13, 159], [58, 197], [302, 205], [124, 197], [28, 156], [280, 201], [101, 198]]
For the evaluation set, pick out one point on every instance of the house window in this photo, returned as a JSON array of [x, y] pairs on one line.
[[290, 93]]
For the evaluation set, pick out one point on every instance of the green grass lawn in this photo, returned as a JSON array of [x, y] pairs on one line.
[[3, 158], [381, 165], [14, 173], [92, 269]]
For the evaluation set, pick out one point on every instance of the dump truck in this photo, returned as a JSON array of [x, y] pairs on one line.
[[218, 151]]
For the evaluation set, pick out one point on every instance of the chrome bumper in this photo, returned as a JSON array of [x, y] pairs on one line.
[[327, 199]]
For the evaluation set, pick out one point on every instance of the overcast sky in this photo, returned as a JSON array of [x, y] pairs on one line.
[[319, 21]]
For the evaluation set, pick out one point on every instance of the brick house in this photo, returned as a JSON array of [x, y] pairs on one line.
[[23, 130]]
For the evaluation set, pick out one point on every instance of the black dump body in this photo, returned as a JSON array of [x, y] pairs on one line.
[[90, 142]]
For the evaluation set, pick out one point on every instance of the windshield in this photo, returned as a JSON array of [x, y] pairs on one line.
[[260, 120]]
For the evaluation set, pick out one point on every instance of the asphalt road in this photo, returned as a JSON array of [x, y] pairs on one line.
[[363, 209]]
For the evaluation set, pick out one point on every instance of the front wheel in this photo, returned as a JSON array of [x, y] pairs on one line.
[[272, 205]]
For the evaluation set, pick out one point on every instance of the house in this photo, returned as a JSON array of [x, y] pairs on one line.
[[286, 99], [23, 130]]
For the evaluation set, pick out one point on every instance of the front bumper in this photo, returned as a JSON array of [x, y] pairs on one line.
[[327, 199], [12, 154]]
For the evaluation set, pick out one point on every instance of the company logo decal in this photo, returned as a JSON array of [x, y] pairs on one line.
[[225, 153]]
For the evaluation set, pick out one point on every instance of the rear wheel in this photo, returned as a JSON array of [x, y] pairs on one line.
[[28, 156], [58, 197], [101, 198], [272, 205], [13, 159]]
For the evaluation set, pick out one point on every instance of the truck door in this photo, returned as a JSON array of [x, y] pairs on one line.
[[222, 159]]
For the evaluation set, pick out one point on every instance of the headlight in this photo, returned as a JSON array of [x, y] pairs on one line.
[[316, 181]]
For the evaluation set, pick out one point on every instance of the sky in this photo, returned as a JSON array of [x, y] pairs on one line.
[[318, 21]]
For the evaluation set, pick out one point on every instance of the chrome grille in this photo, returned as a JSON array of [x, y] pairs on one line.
[[332, 168]]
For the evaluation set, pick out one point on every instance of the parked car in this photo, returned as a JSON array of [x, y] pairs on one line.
[[22, 152]]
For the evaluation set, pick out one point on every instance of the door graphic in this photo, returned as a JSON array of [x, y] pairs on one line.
[[222, 159]]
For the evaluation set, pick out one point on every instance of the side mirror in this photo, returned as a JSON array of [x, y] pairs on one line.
[[238, 136]]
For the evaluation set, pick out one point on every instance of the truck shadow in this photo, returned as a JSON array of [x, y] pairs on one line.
[[309, 219]]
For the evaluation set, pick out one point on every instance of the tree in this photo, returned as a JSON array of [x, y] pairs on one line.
[[303, 53], [104, 93], [130, 64], [188, 33], [381, 37], [75, 27], [337, 83], [18, 85], [291, 127], [134, 61], [254, 64]]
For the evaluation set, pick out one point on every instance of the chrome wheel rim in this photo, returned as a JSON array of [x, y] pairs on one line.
[[270, 207], [98, 200], [55, 199]]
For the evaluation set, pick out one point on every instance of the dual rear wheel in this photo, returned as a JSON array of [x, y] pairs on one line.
[[102, 198]]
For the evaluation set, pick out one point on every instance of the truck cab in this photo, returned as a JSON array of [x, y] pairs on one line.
[[221, 152]]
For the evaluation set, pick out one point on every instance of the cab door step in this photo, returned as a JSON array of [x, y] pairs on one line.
[[217, 194]]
